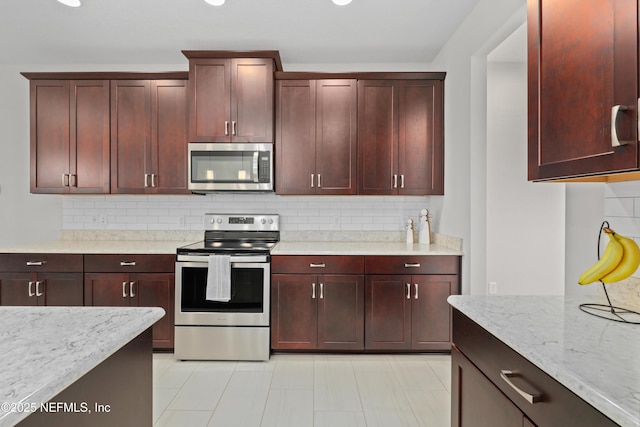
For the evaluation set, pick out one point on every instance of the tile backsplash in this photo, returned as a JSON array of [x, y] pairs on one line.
[[297, 213], [622, 211]]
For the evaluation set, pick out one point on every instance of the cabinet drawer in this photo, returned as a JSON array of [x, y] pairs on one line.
[[400, 264], [317, 264], [129, 263], [558, 405], [54, 263]]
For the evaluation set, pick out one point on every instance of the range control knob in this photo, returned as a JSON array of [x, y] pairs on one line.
[[263, 221], [270, 221], [219, 220]]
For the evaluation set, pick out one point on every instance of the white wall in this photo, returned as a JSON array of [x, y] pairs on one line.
[[463, 210], [525, 221], [23, 217]]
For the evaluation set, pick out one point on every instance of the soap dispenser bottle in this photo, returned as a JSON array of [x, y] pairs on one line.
[[424, 234], [410, 232]]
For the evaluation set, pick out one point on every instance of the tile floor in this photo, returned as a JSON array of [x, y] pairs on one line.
[[304, 390]]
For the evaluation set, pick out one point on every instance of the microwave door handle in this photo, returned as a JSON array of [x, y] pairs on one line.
[[255, 165]]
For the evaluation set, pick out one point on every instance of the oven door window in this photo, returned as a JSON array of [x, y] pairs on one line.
[[224, 166], [247, 291]]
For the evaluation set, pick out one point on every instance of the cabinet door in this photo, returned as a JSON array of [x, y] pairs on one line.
[[336, 136], [50, 123], [60, 289], [341, 312], [377, 137], [130, 136], [18, 289], [388, 312], [295, 139], [430, 313], [252, 100], [109, 289], [169, 136], [89, 166], [294, 311], [209, 100], [582, 61], [420, 138], [475, 401], [158, 290]]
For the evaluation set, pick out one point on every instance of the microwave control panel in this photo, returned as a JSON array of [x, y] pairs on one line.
[[264, 167]]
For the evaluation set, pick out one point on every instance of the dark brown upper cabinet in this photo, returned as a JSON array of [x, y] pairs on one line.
[[231, 95], [316, 136], [148, 136], [69, 136], [401, 137], [582, 63]]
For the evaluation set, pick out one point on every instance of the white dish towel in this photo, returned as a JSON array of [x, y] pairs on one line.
[[219, 278]]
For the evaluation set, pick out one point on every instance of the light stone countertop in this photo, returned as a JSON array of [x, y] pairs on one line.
[[359, 248], [100, 247], [46, 349], [597, 359]]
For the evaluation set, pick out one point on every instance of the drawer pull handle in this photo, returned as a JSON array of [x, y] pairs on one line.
[[35, 263], [127, 263], [531, 398], [323, 265], [416, 265]]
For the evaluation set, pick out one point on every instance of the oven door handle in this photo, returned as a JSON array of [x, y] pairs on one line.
[[234, 259]]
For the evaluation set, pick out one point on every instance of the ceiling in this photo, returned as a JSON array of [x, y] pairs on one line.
[[155, 31]]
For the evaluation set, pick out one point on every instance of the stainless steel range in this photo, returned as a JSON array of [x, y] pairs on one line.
[[222, 289]]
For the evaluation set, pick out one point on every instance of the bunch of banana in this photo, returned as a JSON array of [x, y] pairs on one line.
[[620, 260]]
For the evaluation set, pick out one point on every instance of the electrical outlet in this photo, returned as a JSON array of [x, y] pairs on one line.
[[102, 219], [493, 288]]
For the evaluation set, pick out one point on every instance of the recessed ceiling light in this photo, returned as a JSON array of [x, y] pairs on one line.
[[71, 3], [215, 2], [341, 2]]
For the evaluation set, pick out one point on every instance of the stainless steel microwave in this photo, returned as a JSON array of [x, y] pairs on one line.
[[230, 167]]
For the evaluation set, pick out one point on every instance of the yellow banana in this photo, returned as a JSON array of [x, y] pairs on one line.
[[607, 263], [629, 263]]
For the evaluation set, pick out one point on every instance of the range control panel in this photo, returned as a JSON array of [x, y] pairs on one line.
[[239, 222]]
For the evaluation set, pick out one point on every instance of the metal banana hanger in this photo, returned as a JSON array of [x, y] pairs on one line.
[[609, 311]]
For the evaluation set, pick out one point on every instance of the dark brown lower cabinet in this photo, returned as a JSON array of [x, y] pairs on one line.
[[41, 279], [52, 289], [481, 397], [137, 280], [317, 312], [137, 290], [478, 402], [406, 312]]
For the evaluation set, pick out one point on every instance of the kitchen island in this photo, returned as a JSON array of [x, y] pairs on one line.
[[591, 362], [66, 366]]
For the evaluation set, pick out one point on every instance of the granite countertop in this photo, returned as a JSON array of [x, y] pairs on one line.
[[597, 359], [359, 248], [46, 349], [100, 247]]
